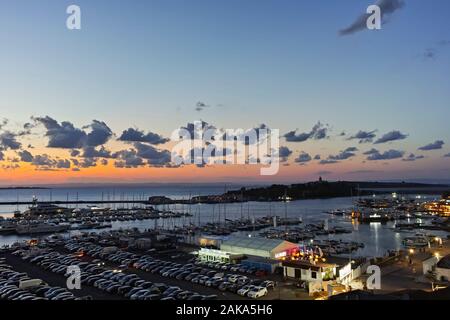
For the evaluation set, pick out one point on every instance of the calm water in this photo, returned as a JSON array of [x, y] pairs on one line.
[[377, 237]]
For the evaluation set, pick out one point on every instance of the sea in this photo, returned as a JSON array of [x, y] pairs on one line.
[[378, 238]]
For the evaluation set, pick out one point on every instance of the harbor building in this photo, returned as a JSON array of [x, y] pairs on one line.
[[259, 247], [442, 270], [316, 276]]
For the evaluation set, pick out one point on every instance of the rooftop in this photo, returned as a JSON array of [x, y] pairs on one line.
[[444, 262], [255, 243]]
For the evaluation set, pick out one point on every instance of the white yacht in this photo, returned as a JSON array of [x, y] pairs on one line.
[[34, 228]]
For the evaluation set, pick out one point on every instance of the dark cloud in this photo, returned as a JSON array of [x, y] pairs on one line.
[[318, 132], [128, 159], [317, 157], [87, 163], [362, 171], [66, 136], [25, 156], [153, 156], [343, 155], [371, 151], [363, 136], [100, 133], [447, 155], [387, 155], [324, 173], [391, 136], [200, 106], [43, 160], [63, 164], [413, 157], [387, 7], [284, 153], [195, 130], [8, 140], [328, 161], [91, 152], [75, 153], [63, 135], [136, 135], [432, 146], [303, 157]]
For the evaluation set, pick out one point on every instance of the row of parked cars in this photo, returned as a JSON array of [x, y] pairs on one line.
[[231, 267], [130, 285], [12, 287], [196, 272]]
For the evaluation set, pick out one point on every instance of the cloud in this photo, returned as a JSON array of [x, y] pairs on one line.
[[447, 155], [100, 133], [391, 136], [75, 153], [153, 156], [343, 155], [66, 136], [200, 106], [324, 172], [362, 171], [136, 135], [87, 163], [387, 7], [432, 53], [328, 161], [128, 159], [8, 140], [91, 152], [63, 164], [432, 146], [363, 136], [318, 132], [387, 155], [63, 135], [284, 153], [195, 130], [25, 156], [413, 157], [43, 160], [3, 123], [371, 151], [317, 157], [303, 157]]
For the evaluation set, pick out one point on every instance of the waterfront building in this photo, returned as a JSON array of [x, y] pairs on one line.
[[260, 247], [442, 270], [318, 275]]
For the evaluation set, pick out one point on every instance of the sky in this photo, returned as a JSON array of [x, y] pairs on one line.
[[147, 68]]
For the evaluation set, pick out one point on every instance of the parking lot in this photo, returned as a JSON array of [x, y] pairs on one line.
[[119, 274]]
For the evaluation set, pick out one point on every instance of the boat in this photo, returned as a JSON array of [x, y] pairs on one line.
[[418, 240], [7, 228], [35, 228]]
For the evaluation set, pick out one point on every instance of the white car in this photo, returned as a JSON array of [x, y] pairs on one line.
[[245, 290], [257, 292]]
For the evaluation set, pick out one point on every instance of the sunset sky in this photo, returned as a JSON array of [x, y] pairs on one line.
[[99, 104]]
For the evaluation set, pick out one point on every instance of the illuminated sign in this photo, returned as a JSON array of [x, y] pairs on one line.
[[280, 254]]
